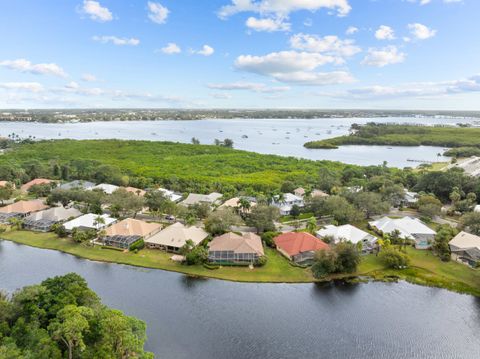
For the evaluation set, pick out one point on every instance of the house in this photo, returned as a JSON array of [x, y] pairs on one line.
[[285, 205], [43, 221], [77, 184], [234, 248], [410, 198], [477, 208], [35, 182], [471, 166], [408, 228], [195, 198], [174, 237], [319, 193], [172, 196], [235, 203], [4, 184], [465, 248], [300, 192], [348, 233], [129, 231], [105, 187], [299, 247], [89, 221], [20, 209], [139, 192]]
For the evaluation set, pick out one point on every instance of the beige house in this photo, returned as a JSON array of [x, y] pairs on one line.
[[20, 209], [233, 248], [137, 191], [174, 237], [196, 198], [465, 248], [235, 203], [35, 182], [124, 233]]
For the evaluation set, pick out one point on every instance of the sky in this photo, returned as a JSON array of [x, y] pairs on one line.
[[322, 54]]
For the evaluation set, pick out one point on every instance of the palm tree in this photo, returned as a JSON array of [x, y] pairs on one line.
[[244, 205], [312, 225], [98, 221]]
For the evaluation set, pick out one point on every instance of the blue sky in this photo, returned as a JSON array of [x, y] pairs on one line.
[[405, 54]]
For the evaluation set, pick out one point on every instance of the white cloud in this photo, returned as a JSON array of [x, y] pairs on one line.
[[206, 50], [221, 96], [421, 32], [119, 41], [89, 78], [293, 67], [351, 30], [329, 45], [382, 57], [171, 49], [157, 12], [421, 2], [26, 86], [267, 24], [249, 86], [417, 89], [72, 85], [26, 66], [96, 11], [385, 32], [283, 7]]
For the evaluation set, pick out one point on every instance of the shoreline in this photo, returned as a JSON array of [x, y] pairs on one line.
[[369, 269]]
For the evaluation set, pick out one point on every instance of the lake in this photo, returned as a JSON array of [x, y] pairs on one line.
[[200, 318], [283, 137]]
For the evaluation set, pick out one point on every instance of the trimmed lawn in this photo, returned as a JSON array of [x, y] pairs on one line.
[[425, 269], [277, 269]]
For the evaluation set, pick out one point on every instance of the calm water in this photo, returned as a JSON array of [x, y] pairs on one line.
[[211, 319], [273, 136]]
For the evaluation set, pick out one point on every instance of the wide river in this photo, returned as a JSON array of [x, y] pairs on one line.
[[193, 318], [283, 137]]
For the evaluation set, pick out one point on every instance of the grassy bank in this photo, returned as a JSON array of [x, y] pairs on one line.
[[175, 164], [404, 135], [426, 269]]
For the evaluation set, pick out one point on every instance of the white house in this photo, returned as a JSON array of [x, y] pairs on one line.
[[289, 200], [89, 221], [477, 208], [105, 187], [172, 196], [349, 233], [195, 198], [408, 227], [465, 248], [410, 198]]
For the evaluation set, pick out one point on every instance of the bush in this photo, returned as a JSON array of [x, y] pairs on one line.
[[392, 258], [261, 261], [138, 245], [324, 263], [211, 266], [60, 230], [197, 255], [268, 237]]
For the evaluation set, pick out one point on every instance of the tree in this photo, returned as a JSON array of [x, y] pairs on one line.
[[15, 223], [6, 192], [124, 202], [197, 255], [324, 263], [338, 207], [370, 203], [262, 218], [348, 257], [156, 201], [287, 187], [195, 141], [429, 206], [228, 143], [70, 327], [40, 190], [312, 225], [392, 258], [244, 205], [295, 211], [440, 244], [220, 221], [327, 179], [471, 222]]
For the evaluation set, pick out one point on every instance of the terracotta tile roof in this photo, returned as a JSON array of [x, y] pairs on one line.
[[24, 207], [294, 243], [36, 181], [133, 227], [246, 243]]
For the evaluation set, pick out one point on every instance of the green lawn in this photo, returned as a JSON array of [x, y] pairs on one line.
[[425, 269]]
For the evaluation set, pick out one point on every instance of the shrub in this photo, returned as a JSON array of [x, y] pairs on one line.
[[268, 237], [324, 263], [138, 245], [261, 261], [392, 258]]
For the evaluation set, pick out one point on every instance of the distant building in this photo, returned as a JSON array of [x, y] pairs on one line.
[[409, 228], [105, 187], [477, 208], [410, 198], [233, 248], [300, 191], [89, 221], [137, 191], [471, 166], [35, 182], [348, 233], [125, 233], [20, 209], [43, 221], [235, 203], [195, 198], [289, 200], [172, 196], [5, 183], [299, 247], [174, 237], [77, 184], [465, 248]]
